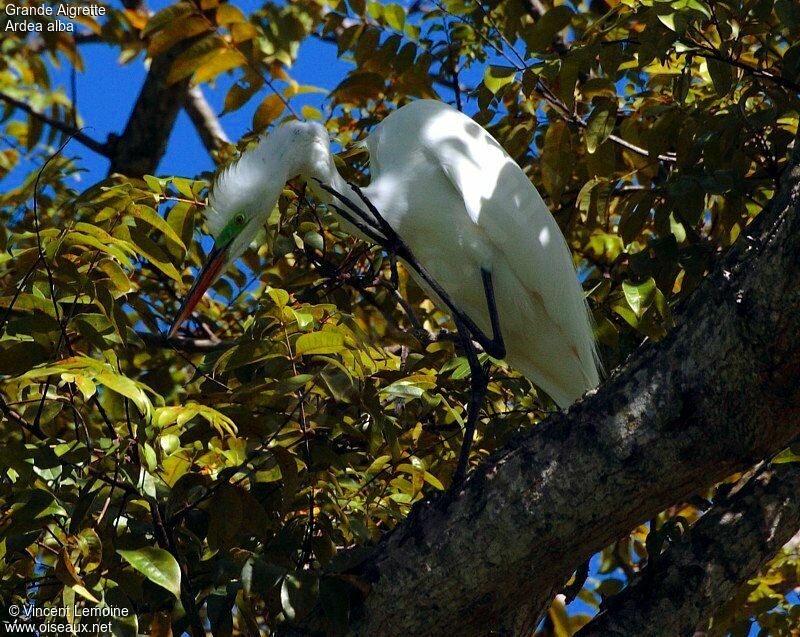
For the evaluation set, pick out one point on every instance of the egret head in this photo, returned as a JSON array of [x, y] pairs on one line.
[[245, 193]]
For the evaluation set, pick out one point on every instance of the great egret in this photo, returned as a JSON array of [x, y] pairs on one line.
[[456, 201]]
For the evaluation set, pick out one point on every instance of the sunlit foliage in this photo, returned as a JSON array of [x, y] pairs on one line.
[[312, 401]]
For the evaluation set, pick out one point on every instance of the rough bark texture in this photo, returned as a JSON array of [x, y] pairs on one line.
[[727, 546], [719, 393]]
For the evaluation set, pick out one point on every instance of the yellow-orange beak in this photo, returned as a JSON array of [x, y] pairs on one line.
[[207, 275]]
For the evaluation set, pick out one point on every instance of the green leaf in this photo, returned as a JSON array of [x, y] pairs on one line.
[[557, 162], [225, 517], [224, 60], [279, 297], [167, 16], [721, 75], [601, 124], [378, 464], [101, 373], [788, 13], [151, 217], [148, 248], [674, 21], [639, 295], [791, 63], [196, 55], [116, 275], [541, 35], [240, 93], [359, 87], [298, 594], [496, 77], [157, 565], [319, 343], [154, 183], [28, 302], [395, 16]]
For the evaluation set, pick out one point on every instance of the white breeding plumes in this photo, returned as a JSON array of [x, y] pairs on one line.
[[462, 206]]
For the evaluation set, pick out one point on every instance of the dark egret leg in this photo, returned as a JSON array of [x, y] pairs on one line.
[[479, 382], [479, 374], [378, 230], [496, 348]]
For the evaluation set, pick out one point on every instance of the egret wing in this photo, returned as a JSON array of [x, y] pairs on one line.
[[514, 219]]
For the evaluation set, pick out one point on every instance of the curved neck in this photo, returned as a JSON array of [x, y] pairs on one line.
[[323, 168]]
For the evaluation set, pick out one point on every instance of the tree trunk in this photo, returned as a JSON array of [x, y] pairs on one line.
[[141, 146]]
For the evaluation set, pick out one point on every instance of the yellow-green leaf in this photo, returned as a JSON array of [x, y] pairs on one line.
[[601, 124], [267, 112], [167, 16], [496, 77], [151, 217], [157, 565], [223, 61], [319, 343], [193, 57], [229, 14], [556, 160], [395, 16]]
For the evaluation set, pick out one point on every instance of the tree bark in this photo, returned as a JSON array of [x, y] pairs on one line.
[[727, 546], [716, 395]]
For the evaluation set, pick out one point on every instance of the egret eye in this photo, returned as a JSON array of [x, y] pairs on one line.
[[239, 219]]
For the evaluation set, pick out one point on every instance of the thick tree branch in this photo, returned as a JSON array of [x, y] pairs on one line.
[[726, 547], [64, 127], [717, 394], [141, 146], [200, 112]]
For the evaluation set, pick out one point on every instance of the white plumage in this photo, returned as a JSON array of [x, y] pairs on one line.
[[460, 203]]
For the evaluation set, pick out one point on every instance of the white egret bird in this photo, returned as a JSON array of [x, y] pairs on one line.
[[467, 213]]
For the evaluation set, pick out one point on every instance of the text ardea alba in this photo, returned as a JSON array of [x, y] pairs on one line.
[[467, 212]]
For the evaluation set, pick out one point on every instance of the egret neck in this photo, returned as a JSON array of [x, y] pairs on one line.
[[246, 192]]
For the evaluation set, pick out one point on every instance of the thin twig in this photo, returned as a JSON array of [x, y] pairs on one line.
[[72, 131]]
